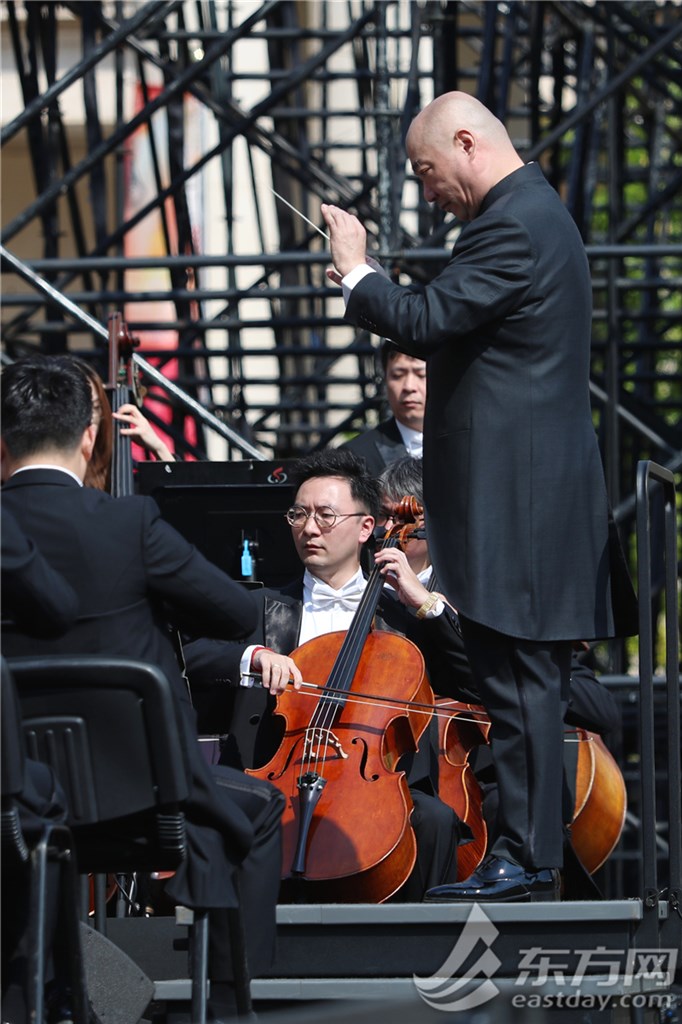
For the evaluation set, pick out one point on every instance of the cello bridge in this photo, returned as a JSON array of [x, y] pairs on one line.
[[318, 741]]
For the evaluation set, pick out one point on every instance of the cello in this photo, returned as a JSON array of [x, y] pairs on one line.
[[346, 831], [462, 727], [600, 801]]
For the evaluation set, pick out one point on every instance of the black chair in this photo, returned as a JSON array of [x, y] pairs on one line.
[[29, 845], [110, 728]]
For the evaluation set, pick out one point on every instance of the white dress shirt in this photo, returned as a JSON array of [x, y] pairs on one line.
[[412, 439], [325, 610]]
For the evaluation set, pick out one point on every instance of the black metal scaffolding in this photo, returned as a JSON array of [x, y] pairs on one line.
[[591, 91], [312, 99]]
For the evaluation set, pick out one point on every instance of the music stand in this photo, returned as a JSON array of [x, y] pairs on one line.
[[233, 512]]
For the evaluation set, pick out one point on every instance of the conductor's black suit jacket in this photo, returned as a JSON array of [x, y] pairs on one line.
[[125, 563], [516, 506]]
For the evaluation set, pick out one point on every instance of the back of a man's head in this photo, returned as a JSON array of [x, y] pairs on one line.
[[46, 405]]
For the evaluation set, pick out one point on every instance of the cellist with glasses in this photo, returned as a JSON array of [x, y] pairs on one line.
[[332, 518]]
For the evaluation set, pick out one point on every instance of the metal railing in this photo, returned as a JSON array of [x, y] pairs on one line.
[[169, 387], [651, 476]]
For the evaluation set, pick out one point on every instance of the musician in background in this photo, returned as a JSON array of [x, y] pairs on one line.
[[332, 518], [130, 571], [401, 433], [133, 425]]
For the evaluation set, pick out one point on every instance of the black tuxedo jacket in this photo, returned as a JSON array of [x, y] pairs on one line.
[[130, 569], [516, 506], [379, 446]]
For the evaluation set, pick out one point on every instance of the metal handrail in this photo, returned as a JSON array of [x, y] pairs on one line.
[[185, 400], [648, 472]]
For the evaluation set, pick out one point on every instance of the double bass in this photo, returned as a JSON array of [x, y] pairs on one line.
[[346, 825], [116, 477], [122, 389]]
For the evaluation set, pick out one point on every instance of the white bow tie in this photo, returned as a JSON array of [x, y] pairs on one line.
[[325, 598]]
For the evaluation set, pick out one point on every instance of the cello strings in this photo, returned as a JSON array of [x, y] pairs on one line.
[[320, 726], [345, 664], [318, 733], [396, 704]]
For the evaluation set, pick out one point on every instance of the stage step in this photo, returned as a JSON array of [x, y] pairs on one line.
[[361, 951]]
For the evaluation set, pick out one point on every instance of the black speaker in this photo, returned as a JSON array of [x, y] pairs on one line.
[[119, 992]]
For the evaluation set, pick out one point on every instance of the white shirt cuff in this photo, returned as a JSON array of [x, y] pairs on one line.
[[351, 279], [438, 609], [245, 678]]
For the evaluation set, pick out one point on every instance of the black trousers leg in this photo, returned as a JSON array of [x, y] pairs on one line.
[[258, 876], [524, 688], [438, 832]]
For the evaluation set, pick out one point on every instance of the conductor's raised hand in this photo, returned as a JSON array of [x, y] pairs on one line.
[[348, 241]]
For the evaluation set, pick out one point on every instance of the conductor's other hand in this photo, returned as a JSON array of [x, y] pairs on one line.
[[347, 239], [276, 670]]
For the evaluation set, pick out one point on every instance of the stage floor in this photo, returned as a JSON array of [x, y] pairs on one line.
[[413, 953]]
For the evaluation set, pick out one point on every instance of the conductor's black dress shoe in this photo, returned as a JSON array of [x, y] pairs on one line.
[[500, 881]]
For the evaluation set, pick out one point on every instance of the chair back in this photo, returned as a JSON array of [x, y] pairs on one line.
[[110, 728], [14, 848], [12, 752]]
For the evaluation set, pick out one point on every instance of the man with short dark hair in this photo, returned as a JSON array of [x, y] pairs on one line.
[[401, 434], [132, 572]]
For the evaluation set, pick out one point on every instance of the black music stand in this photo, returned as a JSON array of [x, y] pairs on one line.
[[233, 512]]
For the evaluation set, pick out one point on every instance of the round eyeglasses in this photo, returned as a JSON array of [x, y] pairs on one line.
[[324, 516]]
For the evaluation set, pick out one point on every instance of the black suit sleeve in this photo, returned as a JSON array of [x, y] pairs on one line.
[[492, 270], [34, 595], [591, 706], [213, 662], [446, 660]]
